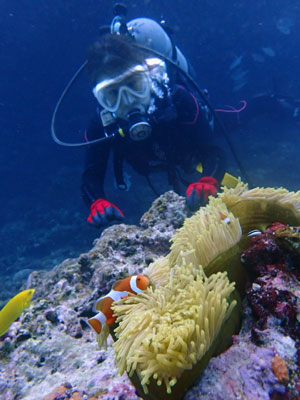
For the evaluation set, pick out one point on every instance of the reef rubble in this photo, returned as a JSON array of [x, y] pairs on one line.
[[50, 352], [51, 344]]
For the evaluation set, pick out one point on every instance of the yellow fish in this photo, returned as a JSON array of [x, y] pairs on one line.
[[14, 308]]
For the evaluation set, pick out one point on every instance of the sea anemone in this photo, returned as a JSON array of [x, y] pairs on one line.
[[165, 336], [210, 238], [204, 236], [166, 331], [158, 272], [260, 207]]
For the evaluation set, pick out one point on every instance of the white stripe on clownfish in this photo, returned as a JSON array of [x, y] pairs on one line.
[[133, 285], [225, 218], [255, 232], [113, 294]]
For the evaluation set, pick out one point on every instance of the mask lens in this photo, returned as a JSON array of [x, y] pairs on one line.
[[109, 95], [131, 85], [137, 83]]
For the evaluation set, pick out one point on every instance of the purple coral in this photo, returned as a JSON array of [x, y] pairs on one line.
[[263, 361], [271, 293]]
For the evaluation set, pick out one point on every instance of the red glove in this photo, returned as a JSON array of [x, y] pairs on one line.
[[197, 193], [102, 212]]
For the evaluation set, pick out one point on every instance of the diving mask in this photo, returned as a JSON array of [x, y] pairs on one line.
[[125, 90]]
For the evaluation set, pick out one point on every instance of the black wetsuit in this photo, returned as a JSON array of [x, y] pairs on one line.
[[181, 138]]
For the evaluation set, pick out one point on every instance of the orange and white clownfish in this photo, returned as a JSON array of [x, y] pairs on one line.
[[132, 284], [224, 218]]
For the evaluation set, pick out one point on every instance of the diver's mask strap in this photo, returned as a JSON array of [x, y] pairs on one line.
[[118, 25]]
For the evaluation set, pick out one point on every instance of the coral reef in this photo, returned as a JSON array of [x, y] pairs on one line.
[[51, 343], [211, 239], [280, 369], [40, 350], [264, 358], [67, 392]]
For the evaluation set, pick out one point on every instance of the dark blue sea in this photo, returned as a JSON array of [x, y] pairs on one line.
[[238, 49]]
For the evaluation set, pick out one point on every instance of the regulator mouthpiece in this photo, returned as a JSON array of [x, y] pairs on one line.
[[139, 127]]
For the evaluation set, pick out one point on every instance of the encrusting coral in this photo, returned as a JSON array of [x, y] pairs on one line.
[[165, 336]]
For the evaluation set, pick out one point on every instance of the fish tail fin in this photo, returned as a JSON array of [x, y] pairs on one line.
[[95, 325]]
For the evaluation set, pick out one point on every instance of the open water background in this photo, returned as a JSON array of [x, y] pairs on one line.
[[238, 49]]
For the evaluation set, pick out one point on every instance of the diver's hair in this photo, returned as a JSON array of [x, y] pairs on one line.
[[111, 55]]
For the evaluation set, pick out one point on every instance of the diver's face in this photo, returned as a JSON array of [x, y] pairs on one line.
[[129, 102], [125, 92]]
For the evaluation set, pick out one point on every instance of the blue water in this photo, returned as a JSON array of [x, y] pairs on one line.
[[238, 49]]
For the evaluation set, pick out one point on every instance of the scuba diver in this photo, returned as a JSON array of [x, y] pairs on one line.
[[157, 120], [153, 115]]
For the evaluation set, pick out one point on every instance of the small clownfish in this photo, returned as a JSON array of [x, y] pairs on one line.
[[224, 218], [11, 311], [254, 232], [132, 284]]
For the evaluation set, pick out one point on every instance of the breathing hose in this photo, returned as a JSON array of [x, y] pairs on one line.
[[110, 137]]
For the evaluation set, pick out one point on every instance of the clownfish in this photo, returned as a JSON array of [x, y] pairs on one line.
[[224, 218], [255, 232], [132, 284]]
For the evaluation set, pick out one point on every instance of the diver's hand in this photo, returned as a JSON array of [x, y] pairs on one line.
[[197, 193], [102, 212]]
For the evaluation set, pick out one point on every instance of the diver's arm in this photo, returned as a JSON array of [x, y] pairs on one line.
[[189, 110], [102, 211], [96, 159], [198, 133], [194, 119], [212, 161]]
